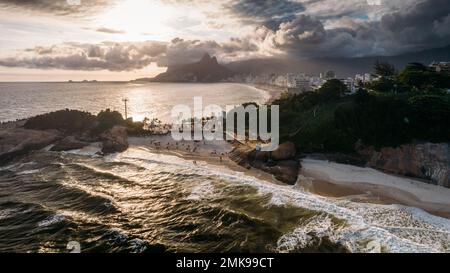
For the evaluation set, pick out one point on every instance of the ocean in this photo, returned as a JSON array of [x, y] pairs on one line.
[[151, 100], [142, 201]]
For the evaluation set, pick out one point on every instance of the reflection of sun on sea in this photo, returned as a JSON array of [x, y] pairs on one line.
[[136, 17], [137, 109]]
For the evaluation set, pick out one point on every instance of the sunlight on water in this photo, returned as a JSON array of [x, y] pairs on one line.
[[152, 100]]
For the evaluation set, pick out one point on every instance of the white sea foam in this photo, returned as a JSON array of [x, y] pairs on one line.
[[29, 172], [201, 191], [6, 213], [51, 220], [90, 150], [368, 227], [321, 225], [17, 166]]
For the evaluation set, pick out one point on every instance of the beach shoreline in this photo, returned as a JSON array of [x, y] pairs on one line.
[[274, 92], [209, 152], [324, 178], [380, 187]]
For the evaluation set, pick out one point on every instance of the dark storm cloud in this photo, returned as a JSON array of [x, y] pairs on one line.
[[424, 25], [421, 26], [57, 7], [269, 13], [307, 37]]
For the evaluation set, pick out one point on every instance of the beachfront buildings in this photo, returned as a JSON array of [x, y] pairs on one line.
[[364, 78], [296, 83], [439, 67]]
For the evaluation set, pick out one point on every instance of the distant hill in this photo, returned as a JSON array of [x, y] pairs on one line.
[[343, 67], [209, 70], [205, 70]]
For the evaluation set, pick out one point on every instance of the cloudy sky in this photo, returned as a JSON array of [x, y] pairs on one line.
[[52, 40]]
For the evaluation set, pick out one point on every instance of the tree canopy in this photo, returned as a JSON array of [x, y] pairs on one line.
[[332, 90], [384, 69]]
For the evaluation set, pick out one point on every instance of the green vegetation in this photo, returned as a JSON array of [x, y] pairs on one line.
[[108, 119], [383, 69], [415, 77], [328, 121], [78, 122], [332, 90], [67, 121], [74, 121]]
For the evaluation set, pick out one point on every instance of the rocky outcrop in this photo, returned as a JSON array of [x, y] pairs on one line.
[[283, 165], [66, 130], [284, 151], [240, 155], [286, 170], [69, 143], [428, 161], [18, 141], [115, 140]]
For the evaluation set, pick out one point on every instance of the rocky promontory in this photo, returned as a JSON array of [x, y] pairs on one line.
[[64, 130], [281, 163]]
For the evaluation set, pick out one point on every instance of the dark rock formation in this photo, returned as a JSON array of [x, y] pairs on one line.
[[240, 155], [115, 140], [69, 143], [205, 70], [284, 151], [286, 170], [284, 167], [428, 161], [19, 141]]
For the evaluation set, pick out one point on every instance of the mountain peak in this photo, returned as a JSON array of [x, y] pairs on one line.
[[208, 59], [206, 56], [206, 70]]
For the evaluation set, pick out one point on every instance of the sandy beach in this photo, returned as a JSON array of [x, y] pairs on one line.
[[209, 152], [273, 91], [378, 186], [317, 176]]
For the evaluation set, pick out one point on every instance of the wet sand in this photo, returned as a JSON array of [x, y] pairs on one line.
[[320, 177], [209, 152], [372, 186], [273, 91]]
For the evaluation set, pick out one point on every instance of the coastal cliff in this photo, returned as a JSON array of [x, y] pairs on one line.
[[428, 161]]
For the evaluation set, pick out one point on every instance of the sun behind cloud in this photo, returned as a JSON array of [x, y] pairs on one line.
[[139, 17]]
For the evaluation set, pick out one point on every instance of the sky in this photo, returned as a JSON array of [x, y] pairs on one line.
[[60, 40]]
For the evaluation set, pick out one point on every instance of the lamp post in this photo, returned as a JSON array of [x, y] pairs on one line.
[[125, 101]]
